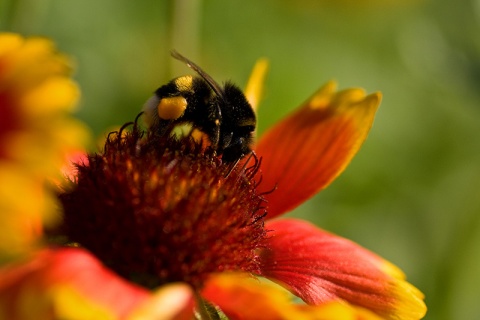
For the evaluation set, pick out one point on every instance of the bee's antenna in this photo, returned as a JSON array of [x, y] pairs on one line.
[[212, 83]]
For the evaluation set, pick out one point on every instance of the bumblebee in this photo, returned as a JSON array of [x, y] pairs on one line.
[[222, 113]]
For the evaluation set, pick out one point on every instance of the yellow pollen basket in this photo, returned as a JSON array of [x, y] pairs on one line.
[[171, 108], [184, 83]]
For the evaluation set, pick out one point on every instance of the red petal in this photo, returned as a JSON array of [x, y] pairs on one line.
[[307, 150], [320, 267], [244, 298], [64, 283]]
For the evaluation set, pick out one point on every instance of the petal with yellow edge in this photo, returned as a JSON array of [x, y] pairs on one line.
[[241, 297], [66, 284], [303, 153], [320, 267]]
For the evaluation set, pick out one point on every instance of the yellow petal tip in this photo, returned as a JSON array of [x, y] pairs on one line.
[[410, 304], [254, 88], [321, 99], [373, 100]]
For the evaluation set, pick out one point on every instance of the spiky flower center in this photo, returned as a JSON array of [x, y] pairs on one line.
[[159, 209]]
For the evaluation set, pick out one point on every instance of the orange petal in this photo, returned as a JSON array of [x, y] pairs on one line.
[[303, 153], [65, 284], [241, 297], [320, 267]]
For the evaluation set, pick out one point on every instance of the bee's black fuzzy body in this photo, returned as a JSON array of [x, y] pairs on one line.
[[222, 113]]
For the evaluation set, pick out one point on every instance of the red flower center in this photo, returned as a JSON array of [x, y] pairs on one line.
[[162, 209]]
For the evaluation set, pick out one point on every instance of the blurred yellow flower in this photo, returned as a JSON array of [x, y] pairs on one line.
[[36, 134]]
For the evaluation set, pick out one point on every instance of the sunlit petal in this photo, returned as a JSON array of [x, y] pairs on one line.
[[303, 153]]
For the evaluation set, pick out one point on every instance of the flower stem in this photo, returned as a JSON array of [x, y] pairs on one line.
[[185, 30], [206, 311]]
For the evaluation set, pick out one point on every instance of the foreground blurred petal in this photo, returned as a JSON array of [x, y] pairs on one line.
[[65, 284], [241, 297], [170, 302], [320, 267], [307, 150]]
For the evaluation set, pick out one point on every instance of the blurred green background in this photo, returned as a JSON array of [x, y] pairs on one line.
[[412, 194]]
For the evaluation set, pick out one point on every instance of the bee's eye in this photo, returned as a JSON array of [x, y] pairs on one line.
[[171, 108]]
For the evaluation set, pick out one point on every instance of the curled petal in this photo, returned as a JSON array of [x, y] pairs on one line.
[[320, 267], [65, 284], [241, 297], [307, 150]]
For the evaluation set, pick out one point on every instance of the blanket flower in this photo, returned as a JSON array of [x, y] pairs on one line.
[[158, 227]]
